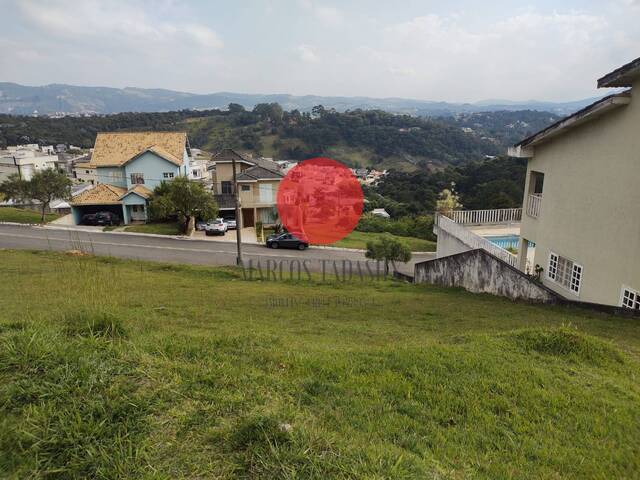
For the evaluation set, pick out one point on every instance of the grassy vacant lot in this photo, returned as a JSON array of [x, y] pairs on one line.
[[157, 228], [359, 240], [21, 215], [115, 369]]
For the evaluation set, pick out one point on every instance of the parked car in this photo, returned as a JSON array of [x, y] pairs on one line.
[[100, 218], [286, 240], [201, 225], [215, 227], [231, 223]]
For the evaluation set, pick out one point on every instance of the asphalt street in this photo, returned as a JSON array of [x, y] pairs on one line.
[[176, 250]]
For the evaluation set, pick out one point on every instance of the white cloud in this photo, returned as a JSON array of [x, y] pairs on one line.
[[117, 21], [324, 14], [307, 54], [204, 36], [522, 56], [330, 48]]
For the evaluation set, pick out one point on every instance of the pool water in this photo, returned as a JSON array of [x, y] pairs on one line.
[[505, 241]]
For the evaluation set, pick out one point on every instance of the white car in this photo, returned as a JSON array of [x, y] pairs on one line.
[[231, 223], [216, 227]]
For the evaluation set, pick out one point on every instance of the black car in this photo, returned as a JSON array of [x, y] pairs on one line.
[[101, 218], [286, 240]]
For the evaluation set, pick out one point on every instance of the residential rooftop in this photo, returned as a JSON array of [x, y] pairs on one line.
[[623, 76], [116, 149]]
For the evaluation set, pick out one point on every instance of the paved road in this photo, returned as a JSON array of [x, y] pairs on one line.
[[200, 252]]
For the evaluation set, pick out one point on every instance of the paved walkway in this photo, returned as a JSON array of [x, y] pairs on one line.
[[490, 230], [64, 220]]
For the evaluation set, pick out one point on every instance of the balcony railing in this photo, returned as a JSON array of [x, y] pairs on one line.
[[486, 217], [534, 202], [472, 240], [225, 200]]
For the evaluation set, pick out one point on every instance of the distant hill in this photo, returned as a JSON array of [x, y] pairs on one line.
[[358, 137], [18, 99]]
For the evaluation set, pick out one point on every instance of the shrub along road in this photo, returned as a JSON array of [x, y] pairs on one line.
[[198, 252]]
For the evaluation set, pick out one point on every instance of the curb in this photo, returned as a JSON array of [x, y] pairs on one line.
[[178, 237]]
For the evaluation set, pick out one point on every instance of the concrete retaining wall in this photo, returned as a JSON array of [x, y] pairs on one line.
[[480, 272], [449, 245]]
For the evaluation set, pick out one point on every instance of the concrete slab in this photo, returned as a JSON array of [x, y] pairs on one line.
[[490, 230]]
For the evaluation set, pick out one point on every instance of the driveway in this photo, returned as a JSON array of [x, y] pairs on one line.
[[190, 251], [247, 235]]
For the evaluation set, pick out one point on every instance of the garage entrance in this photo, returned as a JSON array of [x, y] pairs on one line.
[[80, 210]]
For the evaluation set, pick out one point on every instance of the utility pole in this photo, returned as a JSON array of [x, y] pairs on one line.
[[239, 222], [15, 162]]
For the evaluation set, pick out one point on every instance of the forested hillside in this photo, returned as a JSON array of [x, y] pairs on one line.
[[494, 183], [360, 137]]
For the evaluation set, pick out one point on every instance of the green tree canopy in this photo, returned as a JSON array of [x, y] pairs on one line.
[[44, 186], [388, 249], [183, 198]]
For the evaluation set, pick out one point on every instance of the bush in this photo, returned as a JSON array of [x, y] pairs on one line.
[[419, 227]]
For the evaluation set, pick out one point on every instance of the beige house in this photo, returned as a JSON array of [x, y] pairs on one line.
[[85, 172], [258, 181], [581, 209]]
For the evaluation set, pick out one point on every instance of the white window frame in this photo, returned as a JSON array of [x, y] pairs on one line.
[[168, 175], [138, 177], [565, 272], [629, 298]]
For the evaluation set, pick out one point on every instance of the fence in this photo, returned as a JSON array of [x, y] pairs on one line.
[[480, 217], [533, 205]]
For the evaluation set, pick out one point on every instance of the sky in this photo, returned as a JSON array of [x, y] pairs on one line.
[[455, 50]]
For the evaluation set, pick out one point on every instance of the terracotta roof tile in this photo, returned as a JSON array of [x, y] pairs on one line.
[[101, 194], [141, 190], [115, 149]]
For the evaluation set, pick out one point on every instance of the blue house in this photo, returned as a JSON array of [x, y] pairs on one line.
[[128, 167]]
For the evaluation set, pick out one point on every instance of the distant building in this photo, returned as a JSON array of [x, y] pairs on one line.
[[85, 172], [380, 212], [258, 180], [24, 160]]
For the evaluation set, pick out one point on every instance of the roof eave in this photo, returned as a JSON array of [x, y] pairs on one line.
[[524, 149], [621, 77]]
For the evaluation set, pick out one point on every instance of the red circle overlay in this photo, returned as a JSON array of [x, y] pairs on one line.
[[320, 201]]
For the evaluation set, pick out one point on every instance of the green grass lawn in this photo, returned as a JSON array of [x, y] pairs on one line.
[[139, 370], [157, 228], [359, 240], [21, 215]]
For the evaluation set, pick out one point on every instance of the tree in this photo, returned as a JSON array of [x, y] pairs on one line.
[[448, 201], [235, 108], [14, 188], [388, 249], [185, 199], [44, 186]]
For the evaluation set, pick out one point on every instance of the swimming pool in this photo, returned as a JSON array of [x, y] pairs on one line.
[[504, 241]]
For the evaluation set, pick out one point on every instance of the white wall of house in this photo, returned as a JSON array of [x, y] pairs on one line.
[[590, 207], [26, 162]]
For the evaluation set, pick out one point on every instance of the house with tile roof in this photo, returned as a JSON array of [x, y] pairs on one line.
[[258, 180], [128, 166]]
